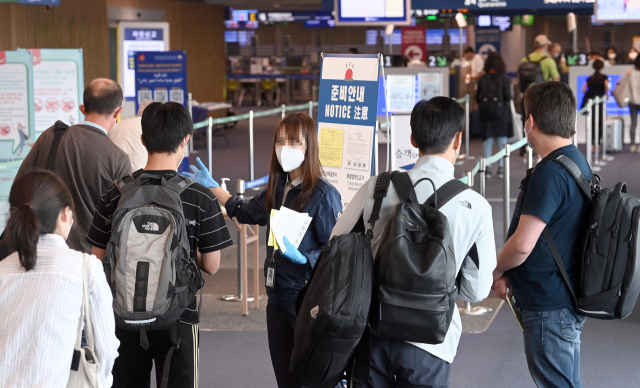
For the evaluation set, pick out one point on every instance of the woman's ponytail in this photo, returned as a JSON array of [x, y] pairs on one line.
[[36, 200], [25, 229]]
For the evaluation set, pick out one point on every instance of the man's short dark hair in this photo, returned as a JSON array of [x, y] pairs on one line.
[[469, 50], [553, 107], [102, 96], [434, 123], [164, 127]]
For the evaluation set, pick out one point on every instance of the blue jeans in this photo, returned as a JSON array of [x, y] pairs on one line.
[[552, 347], [487, 147]]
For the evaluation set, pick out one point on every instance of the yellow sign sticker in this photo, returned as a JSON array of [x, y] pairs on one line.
[[331, 144]]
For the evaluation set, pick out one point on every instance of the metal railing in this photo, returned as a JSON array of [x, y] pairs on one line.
[[594, 157]]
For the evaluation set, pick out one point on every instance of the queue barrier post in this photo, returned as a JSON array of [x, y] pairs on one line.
[[589, 129], [251, 144], [482, 173], [247, 235], [190, 105], [468, 309], [575, 132], [597, 130], [507, 194], [311, 109], [604, 130], [529, 157], [284, 110], [209, 146], [467, 131]]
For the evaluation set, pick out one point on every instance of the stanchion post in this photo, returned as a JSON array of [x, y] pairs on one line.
[[311, 109], [575, 134], [284, 110], [467, 131], [529, 157], [209, 146], [240, 185], [242, 273], [507, 194], [604, 129], [589, 129], [251, 145], [256, 269], [478, 310], [596, 146], [190, 104], [482, 174]]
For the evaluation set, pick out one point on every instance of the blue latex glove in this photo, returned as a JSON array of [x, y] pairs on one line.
[[293, 253], [201, 175]]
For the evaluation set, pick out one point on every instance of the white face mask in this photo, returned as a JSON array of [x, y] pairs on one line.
[[184, 154], [633, 55], [70, 226], [526, 134], [611, 55], [289, 157]]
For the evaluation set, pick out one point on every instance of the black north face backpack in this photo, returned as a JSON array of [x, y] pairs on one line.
[[333, 308], [609, 281], [415, 290], [530, 72]]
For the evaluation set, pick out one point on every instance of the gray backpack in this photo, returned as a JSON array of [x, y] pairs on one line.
[[148, 264]]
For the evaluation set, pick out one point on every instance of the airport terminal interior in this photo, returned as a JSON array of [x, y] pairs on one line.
[[240, 66]]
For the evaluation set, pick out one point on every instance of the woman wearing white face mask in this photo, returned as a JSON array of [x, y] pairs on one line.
[[296, 182], [42, 284]]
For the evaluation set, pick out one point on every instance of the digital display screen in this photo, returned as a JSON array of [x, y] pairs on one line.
[[617, 11], [380, 12]]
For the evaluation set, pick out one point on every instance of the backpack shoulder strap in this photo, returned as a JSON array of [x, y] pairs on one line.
[[558, 259], [404, 187], [543, 58], [528, 58], [446, 193], [574, 170], [59, 129], [382, 185], [179, 183], [125, 184]]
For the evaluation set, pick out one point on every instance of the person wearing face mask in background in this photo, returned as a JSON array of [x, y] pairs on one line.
[[87, 161], [561, 62], [296, 182], [612, 57], [633, 54], [42, 283]]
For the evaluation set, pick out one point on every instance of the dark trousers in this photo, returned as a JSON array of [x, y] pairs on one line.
[[132, 368], [400, 364], [281, 321]]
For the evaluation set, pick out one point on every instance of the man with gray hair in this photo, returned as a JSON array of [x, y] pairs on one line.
[[127, 134], [83, 156]]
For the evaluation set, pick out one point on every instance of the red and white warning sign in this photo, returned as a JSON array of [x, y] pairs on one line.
[[414, 44]]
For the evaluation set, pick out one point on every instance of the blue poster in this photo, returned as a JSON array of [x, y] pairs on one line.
[[487, 40], [161, 76], [347, 110]]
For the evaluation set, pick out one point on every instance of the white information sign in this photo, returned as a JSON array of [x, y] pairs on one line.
[[401, 93], [403, 154], [431, 85], [14, 112], [55, 93]]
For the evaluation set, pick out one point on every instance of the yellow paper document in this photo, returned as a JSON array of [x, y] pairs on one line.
[[331, 144]]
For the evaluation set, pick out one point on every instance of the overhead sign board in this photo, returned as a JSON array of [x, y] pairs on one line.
[[358, 12], [486, 6], [580, 59], [347, 120], [414, 44]]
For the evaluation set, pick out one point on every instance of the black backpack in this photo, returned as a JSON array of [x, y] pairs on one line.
[[415, 288], [609, 281], [491, 102], [530, 72], [333, 308]]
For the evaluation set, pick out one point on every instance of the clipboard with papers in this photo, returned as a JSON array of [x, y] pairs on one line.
[[516, 311]]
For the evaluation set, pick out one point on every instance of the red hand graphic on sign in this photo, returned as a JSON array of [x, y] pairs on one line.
[[51, 105]]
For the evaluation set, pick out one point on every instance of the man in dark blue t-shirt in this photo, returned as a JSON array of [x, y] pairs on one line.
[[551, 198]]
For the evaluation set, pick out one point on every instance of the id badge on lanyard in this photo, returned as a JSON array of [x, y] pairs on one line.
[[271, 272]]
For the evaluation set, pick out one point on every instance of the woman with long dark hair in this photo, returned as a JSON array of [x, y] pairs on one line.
[[42, 290], [296, 182], [493, 97]]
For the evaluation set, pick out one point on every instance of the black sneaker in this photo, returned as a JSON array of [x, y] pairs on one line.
[[500, 172]]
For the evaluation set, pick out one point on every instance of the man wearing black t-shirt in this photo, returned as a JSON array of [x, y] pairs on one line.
[[550, 199], [166, 129]]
